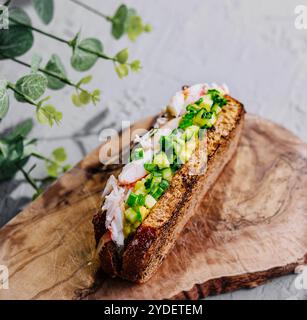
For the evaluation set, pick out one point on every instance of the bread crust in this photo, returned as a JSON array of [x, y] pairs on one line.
[[146, 249]]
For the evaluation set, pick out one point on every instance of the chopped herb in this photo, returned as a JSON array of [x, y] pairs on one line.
[[150, 167], [137, 154], [186, 120], [198, 102], [147, 183]]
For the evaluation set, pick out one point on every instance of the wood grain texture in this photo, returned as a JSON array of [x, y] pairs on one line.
[[251, 227]]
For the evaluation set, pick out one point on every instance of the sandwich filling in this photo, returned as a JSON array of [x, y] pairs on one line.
[[157, 156]]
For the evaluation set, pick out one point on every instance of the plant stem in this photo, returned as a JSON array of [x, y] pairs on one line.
[[91, 9], [49, 73], [29, 179], [69, 43], [41, 157]]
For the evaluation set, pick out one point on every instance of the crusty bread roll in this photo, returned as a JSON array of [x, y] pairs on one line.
[[144, 251]]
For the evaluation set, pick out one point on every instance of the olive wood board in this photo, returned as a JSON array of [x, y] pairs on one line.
[[251, 227]]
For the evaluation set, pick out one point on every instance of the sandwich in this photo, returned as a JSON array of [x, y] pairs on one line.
[[171, 168]]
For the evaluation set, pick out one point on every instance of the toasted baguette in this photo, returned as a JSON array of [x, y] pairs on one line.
[[146, 249]]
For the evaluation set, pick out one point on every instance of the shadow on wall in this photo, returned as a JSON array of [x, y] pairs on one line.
[[9, 206]]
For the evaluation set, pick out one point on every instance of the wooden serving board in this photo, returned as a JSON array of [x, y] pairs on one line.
[[251, 227]]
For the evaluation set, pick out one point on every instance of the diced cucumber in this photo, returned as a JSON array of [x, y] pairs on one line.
[[131, 215], [157, 174], [131, 201], [167, 174], [207, 103], [203, 121], [161, 160], [178, 144], [150, 201], [155, 182], [139, 187], [198, 120], [189, 132], [193, 108], [191, 145], [187, 152], [164, 184], [138, 214], [184, 156], [176, 166], [150, 167], [213, 120], [147, 182], [141, 199], [166, 143], [144, 212], [158, 193], [216, 108]]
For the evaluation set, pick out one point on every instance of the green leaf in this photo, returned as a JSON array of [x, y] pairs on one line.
[[135, 65], [122, 56], [66, 167], [85, 80], [53, 166], [52, 169], [84, 97], [4, 99], [22, 129], [12, 156], [44, 9], [48, 115], [32, 85], [81, 60], [15, 150], [131, 13], [134, 27], [15, 41], [59, 154], [4, 148], [122, 70], [147, 28], [35, 62], [54, 65], [96, 96], [76, 100], [118, 21], [18, 14]]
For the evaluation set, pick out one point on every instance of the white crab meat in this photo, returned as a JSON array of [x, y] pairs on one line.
[[113, 205], [110, 185], [134, 170], [181, 99], [193, 93], [175, 105], [171, 124]]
